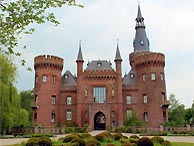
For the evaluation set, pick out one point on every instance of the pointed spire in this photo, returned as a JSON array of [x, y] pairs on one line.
[[80, 57], [118, 56], [141, 42]]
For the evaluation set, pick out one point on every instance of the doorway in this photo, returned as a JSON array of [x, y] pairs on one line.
[[99, 121]]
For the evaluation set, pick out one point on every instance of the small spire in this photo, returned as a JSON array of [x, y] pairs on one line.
[[139, 15], [118, 56], [80, 57]]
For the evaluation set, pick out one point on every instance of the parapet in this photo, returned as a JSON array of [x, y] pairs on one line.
[[48, 60]]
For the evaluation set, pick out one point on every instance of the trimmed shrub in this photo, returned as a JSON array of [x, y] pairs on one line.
[[157, 139], [91, 144], [44, 141], [69, 138], [127, 144], [133, 140], [117, 136], [32, 142], [110, 144], [134, 136], [145, 141], [166, 143], [85, 135], [79, 141], [93, 140], [102, 136], [123, 140]]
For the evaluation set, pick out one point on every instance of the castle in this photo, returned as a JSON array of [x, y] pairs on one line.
[[99, 96]]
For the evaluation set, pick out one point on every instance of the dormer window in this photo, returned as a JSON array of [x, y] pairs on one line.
[[132, 75], [66, 76], [141, 43], [99, 64]]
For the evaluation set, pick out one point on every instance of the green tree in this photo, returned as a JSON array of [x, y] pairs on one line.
[[132, 120], [11, 114], [176, 112], [16, 15], [26, 100], [189, 114]]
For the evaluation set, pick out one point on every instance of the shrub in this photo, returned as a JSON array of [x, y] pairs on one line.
[[44, 141], [133, 140], [121, 129], [79, 141], [92, 140], [127, 144], [69, 138], [166, 143], [157, 139], [117, 136], [134, 136], [32, 142], [91, 144], [145, 141], [111, 144], [85, 135], [102, 136]]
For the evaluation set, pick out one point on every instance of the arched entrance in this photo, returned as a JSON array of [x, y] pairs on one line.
[[99, 121]]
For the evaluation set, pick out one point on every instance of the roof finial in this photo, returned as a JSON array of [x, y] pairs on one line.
[[117, 43], [118, 56], [80, 57]]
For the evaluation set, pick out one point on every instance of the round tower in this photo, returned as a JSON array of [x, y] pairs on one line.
[[149, 67], [47, 89]]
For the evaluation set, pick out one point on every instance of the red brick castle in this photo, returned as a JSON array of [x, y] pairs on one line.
[[99, 96]]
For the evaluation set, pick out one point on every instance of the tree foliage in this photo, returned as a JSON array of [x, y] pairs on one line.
[[11, 114], [132, 120], [16, 15]]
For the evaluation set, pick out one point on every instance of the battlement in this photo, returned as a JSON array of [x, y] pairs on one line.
[[48, 60], [140, 59]]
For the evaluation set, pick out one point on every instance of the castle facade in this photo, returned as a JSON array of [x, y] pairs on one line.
[[99, 96]]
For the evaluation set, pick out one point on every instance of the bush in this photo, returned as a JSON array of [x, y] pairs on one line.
[[91, 144], [157, 139], [166, 143], [117, 136], [93, 141], [69, 138], [85, 135], [79, 141], [145, 141], [133, 140], [127, 144], [110, 144], [134, 136], [32, 142], [102, 136], [121, 129], [44, 141]]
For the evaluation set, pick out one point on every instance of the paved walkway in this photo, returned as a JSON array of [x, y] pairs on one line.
[[189, 139]]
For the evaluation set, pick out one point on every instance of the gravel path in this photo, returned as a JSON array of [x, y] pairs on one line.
[[189, 139]]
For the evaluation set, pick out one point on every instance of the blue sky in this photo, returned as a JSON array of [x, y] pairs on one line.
[[169, 27]]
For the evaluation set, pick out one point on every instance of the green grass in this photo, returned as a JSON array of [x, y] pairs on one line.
[[182, 144]]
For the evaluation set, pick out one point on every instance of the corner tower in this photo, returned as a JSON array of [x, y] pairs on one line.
[[46, 90], [149, 67]]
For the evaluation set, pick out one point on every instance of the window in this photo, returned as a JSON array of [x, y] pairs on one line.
[[145, 114], [69, 102], [53, 116], [132, 75], [99, 64], [113, 123], [129, 99], [44, 78], [54, 79], [53, 99], [161, 76], [145, 98], [144, 77], [36, 79], [129, 113], [113, 113], [68, 114], [163, 97], [153, 76], [99, 94]]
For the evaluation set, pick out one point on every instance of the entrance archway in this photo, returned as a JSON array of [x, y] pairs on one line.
[[99, 121]]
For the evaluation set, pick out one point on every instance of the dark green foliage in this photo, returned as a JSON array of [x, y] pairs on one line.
[[92, 140], [32, 142], [69, 138], [117, 136], [91, 144], [79, 141], [134, 136], [110, 144], [157, 139], [44, 141], [166, 143], [145, 141], [127, 144], [133, 140], [85, 135], [102, 136]]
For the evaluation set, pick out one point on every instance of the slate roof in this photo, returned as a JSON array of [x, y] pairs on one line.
[[99, 65], [130, 78], [68, 78]]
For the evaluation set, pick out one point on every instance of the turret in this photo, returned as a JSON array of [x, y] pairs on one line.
[[47, 81]]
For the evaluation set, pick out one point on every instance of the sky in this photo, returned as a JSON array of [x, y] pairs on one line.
[[169, 28]]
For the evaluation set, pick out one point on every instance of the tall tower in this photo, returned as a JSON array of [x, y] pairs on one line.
[[149, 67], [47, 89]]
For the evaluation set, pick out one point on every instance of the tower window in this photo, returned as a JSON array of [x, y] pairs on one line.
[[44, 78], [69, 101], [68, 114], [54, 79], [161, 76], [153, 76], [129, 99], [53, 99], [99, 64], [145, 98], [145, 115], [144, 77], [53, 117], [99, 94]]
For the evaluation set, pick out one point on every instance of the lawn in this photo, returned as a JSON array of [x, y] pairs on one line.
[[181, 144]]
